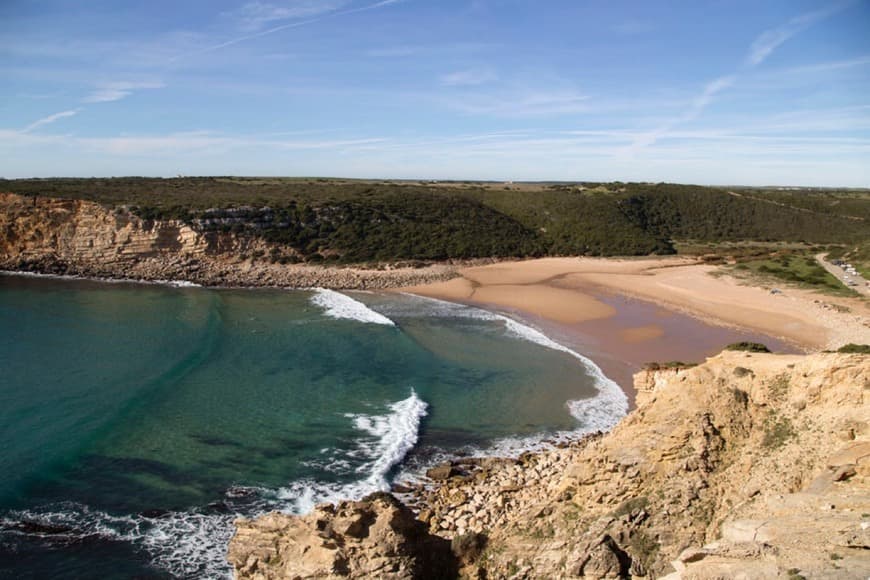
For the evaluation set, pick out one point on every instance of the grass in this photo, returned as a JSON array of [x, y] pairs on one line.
[[795, 268]]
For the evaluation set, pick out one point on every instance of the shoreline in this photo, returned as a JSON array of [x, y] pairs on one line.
[[569, 291]]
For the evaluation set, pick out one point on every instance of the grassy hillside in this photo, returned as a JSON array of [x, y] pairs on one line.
[[359, 220]]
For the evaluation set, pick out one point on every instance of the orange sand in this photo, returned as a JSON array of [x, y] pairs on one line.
[[558, 289]]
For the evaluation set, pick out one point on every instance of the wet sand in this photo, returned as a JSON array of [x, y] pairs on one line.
[[625, 313]]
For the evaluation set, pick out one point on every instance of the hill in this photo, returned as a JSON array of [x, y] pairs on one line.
[[354, 221]]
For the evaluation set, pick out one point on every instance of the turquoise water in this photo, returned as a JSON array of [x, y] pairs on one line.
[[136, 421]]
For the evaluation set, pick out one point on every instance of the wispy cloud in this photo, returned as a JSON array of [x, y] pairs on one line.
[[115, 91], [315, 17], [694, 111], [771, 39], [830, 66], [469, 77], [256, 15], [206, 142], [522, 104], [49, 119], [761, 48]]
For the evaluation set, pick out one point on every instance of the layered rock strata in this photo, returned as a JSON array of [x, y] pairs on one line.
[[74, 237]]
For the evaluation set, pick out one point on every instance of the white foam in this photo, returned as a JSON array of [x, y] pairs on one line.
[[338, 305], [394, 435], [173, 283], [599, 413], [185, 544]]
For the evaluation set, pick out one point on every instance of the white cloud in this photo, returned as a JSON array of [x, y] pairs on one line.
[[829, 66], [255, 15], [694, 111], [761, 48], [521, 103], [108, 92], [469, 77], [311, 19], [49, 119], [771, 39]]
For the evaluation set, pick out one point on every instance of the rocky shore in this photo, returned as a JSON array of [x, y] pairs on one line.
[[749, 464], [80, 238]]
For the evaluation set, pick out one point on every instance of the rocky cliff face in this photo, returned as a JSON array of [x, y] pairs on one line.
[[58, 236], [749, 464], [81, 232]]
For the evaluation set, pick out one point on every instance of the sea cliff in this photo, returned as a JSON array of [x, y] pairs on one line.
[[748, 464], [82, 238]]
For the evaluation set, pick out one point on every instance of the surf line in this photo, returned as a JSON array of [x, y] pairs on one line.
[[341, 306]]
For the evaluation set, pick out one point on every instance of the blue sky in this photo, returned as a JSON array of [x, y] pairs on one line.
[[718, 91]]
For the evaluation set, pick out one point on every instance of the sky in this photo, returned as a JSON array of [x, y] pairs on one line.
[[772, 92]]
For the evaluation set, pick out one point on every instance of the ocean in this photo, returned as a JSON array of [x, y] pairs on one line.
[[137, 421]]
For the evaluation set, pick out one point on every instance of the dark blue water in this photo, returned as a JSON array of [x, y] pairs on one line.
[[137, 421]]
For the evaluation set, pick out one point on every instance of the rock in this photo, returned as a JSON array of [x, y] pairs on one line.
[[602, 559], [441, 472], [843, 473], [374, 537], [468, 547]]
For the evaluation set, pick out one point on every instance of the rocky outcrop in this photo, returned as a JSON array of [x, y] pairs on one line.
[[749, 464], [377, 537], [74, 237]]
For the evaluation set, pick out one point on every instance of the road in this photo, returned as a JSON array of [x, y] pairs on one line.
[[862, 287]]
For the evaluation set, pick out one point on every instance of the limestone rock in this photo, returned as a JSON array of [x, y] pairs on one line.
[[377, 537]]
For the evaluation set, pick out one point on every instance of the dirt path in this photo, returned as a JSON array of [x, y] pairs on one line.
[[861, 286]]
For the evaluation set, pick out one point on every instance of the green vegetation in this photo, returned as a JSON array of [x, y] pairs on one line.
[[858, 256], [748, 347], [673, 364], [796, 268], [854, 349], [776, 432], [366, 220]]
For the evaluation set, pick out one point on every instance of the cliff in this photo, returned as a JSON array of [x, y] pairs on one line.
[[83, 238], [749, 464]]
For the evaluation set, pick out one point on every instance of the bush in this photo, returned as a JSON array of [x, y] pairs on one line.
[[748, 347], [674, 364], [854, 349]]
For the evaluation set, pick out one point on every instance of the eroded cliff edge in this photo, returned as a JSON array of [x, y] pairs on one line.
[[750, 464], [82, 238]]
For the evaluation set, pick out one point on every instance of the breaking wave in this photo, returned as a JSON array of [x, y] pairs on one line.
[[338, 305], [388, 439]]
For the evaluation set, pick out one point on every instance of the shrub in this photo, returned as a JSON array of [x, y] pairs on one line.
[[748, 347], [674, 364], [852, 348]]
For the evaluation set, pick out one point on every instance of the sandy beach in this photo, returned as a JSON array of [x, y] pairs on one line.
[[625, 312]]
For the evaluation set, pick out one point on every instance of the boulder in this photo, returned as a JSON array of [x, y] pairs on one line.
[[376, 537]]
